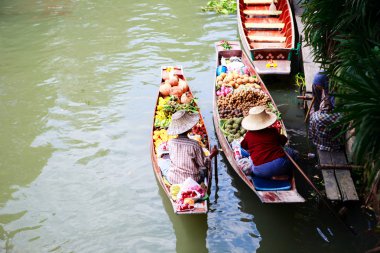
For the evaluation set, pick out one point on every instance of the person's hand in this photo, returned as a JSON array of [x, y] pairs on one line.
[[214, 152]]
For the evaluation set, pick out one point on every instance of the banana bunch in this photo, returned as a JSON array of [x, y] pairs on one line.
[[174, 190], [160, 136], [162, 118]]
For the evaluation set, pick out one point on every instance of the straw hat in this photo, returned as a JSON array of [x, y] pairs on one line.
[[258, 118], [182, 121]]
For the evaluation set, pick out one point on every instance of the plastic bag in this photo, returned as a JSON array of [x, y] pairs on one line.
[[245, 164], [192, 189], [235, 144], [235, 66]]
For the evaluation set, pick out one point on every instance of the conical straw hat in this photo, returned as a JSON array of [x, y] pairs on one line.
[[258, 118], [182, 121]]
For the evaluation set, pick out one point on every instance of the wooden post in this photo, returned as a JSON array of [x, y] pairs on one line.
[[216, 169], [319, 193], [309, 109]]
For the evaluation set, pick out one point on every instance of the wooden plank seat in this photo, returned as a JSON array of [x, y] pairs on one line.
[[261, 12], [267, 38], [338, 182], [258, 1], [264, 23], [267, 45]]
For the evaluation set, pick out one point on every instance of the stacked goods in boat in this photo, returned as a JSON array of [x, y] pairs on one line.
[[237, 89], [174, 95]]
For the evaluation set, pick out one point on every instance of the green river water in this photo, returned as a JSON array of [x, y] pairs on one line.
[[78, 84]]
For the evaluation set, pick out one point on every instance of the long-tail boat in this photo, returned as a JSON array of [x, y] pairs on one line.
[[266, 30], [239, 82], [166, 105]]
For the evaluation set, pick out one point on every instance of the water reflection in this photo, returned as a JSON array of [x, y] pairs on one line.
[[78, 86], [190, 230]]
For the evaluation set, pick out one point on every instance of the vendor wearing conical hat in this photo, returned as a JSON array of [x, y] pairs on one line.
[[186, 155], [264, 143]]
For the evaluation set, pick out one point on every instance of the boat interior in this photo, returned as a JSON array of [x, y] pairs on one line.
[[266, 26]]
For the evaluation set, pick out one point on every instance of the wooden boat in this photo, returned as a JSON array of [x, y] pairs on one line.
[[160, 157], [267, 34], [277, 194]]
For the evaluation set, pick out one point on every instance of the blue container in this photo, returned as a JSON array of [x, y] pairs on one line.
[[221, 69]]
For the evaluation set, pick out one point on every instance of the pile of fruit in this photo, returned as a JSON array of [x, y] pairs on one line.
[[232, 129], [163, 117], [161, 136], [238, 104], [174, 190], [235, 80], [174, 105], [168, 106], [199, 133]]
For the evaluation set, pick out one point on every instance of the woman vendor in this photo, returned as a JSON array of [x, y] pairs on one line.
[[187, 158], [265, 145]]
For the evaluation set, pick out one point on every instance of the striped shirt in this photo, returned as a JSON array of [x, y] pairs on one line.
[[186, 160], [321, 131]]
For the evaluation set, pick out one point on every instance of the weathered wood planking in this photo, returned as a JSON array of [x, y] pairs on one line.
[[331, 186], [338, 182], [346, 185]]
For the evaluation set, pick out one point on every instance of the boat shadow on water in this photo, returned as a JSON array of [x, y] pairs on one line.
[[190, 230]]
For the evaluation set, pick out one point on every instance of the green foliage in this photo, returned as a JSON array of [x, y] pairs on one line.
[[221, 6], [300, 80], [345, 37], [225, 45]]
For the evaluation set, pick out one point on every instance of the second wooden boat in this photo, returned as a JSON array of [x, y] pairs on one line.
[[239, 83], [266, 30], [181, 98]]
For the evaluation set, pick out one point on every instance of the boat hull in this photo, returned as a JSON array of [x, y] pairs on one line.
[[270, 48], [200, 207], [289, 196]]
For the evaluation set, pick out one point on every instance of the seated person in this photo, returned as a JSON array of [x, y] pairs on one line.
[[186, 155], [321, 129], [265, 145], [320, 88]]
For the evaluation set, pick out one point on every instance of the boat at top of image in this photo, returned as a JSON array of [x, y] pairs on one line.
[[267, 34], [238, 88], [174, 94]]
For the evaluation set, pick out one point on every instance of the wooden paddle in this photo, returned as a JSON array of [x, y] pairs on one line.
[[308, 110], [216, 168], [322, 197]]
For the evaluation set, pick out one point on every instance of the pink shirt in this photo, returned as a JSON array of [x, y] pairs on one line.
[[186, 160]]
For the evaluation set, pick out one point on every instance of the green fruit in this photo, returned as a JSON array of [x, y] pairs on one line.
[[233, 131], [236, 126], [230, 138], [242, 131]]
